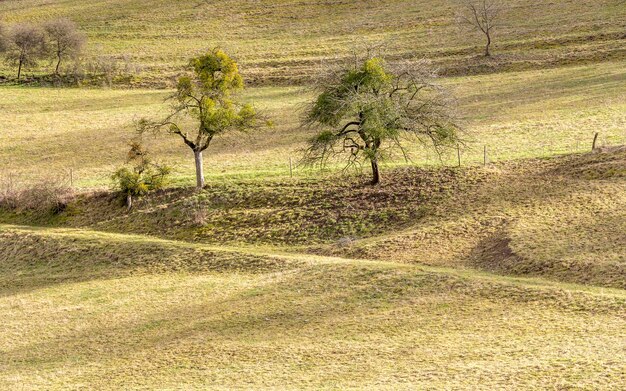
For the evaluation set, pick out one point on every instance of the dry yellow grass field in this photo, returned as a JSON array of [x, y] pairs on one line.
[[513, 279], [295, 322], [509, 275], [284, 41], [46, 132]]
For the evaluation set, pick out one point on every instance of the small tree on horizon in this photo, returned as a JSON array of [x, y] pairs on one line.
[[483, 16], [207, 98], [65, 40], [365, 109], [26, 46]]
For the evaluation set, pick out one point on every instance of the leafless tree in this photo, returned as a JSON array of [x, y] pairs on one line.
[[26, 46], [65, 40], [483, 16], [4, 39]]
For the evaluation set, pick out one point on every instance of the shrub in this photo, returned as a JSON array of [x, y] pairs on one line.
[[48, 195], [144, 176], [107, 69], [9, 193]]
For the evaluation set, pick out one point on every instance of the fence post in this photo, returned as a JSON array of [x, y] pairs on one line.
[[458, 153], [595, 139], [71, 177], [290, 168], [485, 156]]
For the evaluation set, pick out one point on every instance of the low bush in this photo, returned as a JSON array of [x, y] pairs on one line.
[[48, 195], [142, 177]]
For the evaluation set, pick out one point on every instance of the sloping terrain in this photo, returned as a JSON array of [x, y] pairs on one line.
[[33, 259], [561, 218], [507, 273], [312, 323], [424, 309], [285, 41], [48, 131]]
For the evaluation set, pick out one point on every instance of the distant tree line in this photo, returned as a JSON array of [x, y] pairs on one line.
[[25, 45], [58, 44]]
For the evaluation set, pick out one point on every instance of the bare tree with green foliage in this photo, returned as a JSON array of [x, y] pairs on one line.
[[366, 109], [207, 98], [483, 16], [65, 40], [26, 46], [144, 176]]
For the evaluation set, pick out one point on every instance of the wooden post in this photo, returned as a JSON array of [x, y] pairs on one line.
[[71, 177], [290, 168], [485, 156], [458, 153], [595, 139]]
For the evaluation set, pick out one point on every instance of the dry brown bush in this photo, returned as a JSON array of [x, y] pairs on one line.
[[47, 195]]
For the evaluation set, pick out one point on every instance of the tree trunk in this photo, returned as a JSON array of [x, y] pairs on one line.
[[375, 172], [199, 169], [56, 70], [19, 71], [129, 202], [487, 53]]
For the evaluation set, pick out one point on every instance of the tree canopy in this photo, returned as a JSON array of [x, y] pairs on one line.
[[207, 98], [142, 177], [367, 109], [483, 16]]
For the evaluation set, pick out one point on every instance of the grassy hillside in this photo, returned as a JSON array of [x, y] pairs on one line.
[[284, 41], [312, 323], [504, 275], [45, 132], [560, 218]]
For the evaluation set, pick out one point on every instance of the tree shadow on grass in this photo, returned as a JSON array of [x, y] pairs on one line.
[[254, 324], [33, 260]]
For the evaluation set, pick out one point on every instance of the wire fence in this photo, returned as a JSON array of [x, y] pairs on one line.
[[470, 155], [477, 153]]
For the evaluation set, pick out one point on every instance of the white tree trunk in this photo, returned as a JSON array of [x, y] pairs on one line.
[[199, 169]]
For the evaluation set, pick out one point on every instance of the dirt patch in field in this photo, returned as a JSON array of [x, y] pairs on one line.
[[494, 254]]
